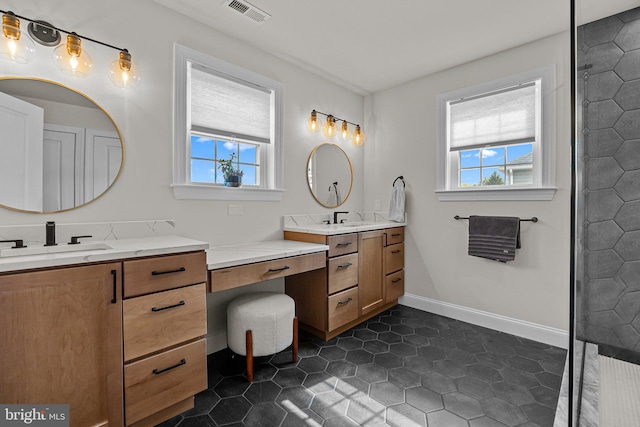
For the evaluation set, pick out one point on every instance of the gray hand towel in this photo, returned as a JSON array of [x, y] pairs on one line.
[[494, 237]]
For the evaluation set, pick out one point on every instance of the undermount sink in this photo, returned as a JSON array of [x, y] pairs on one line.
[[45, 250], [356, 224]]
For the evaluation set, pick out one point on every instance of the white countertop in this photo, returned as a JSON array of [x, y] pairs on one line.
[[95, 251], [347, 227], [230, 256]]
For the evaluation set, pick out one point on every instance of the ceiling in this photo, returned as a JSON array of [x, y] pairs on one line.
[[371, 45]]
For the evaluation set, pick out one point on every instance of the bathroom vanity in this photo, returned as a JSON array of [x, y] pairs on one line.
[[363, 275], [118, 333]]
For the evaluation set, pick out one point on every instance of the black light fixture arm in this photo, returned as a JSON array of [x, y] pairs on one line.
[[52, 27], [337, 119]]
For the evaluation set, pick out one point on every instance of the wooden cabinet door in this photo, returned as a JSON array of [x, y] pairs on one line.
[[61, 341], [370, 270]]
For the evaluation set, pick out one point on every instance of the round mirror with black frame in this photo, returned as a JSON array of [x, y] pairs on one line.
[[59, 149], [329, 175]]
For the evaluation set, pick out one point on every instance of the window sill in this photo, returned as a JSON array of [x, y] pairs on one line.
[[205, 192], [503, 194]]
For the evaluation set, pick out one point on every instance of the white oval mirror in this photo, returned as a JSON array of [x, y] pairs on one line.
[[58, 149], [329, 175]]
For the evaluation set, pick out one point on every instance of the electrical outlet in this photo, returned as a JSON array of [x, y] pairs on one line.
[[234, 210], [377, 205]]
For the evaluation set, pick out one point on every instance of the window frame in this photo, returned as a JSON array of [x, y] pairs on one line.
[[543, 187], [272, 157]]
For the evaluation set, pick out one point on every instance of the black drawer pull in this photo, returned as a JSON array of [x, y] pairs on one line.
[[396, 234], [275, 270], [159, 371], [396, 280], [345, 265], [345, 301], [157, 273], [397, 251], [342, 244], [114, 273], [168, 307]]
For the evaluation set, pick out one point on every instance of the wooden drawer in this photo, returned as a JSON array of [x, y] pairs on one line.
[[160, 381], [393, 258], [342, 244], [394, 286], [156, 321], [395, 235], [227, 278], [342, 308], [343, 273], [148, 275]]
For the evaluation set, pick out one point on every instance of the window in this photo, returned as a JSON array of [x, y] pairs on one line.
[[221, 111], [496, 140], [207, 150]]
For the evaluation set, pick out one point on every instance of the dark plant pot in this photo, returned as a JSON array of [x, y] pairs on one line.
[[233, 181]]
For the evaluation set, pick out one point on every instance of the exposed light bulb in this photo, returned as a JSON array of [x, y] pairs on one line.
[[344, 131], [72, 59], [313, 125], [358, 136], [329, 128], [123, 73], [15, 48]]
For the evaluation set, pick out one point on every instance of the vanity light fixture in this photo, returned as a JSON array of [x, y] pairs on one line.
[[313, 125], [15, 47], [329, 128], [124, 73], [344, 131], [71, 57], [358, 136]]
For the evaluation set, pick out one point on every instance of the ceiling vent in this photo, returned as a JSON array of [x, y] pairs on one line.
[[248, 10]]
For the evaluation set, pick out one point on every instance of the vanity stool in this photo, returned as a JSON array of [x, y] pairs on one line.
[[260, 324]]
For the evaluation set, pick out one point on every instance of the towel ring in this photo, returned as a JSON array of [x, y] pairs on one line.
[[401, 178]]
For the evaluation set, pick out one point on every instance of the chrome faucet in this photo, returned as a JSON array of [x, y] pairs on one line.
[[335, 216], [50, 233]]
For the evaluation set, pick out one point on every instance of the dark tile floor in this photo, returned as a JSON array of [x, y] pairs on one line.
[[404, 368]]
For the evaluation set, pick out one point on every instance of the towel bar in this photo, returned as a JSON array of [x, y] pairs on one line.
[[532, 219]]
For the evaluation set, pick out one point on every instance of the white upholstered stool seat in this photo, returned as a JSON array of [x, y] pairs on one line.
[[260, 324]]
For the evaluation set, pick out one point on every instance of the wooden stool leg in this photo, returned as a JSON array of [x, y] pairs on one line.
[[295, 339], [249, 356]]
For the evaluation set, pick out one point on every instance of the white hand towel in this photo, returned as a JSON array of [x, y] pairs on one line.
[[396, 206], [334, 199]]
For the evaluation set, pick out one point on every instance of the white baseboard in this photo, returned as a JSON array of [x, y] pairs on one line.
[[521, 328]]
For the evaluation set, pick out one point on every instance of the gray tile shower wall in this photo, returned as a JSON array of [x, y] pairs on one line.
[[609, 85]]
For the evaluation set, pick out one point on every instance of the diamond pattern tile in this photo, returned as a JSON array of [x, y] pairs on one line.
[[459, 382]]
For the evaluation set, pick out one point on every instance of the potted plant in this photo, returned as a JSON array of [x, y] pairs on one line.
[[232, 175]]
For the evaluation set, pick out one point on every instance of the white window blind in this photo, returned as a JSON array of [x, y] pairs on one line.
[[228, 107], [497, 118]]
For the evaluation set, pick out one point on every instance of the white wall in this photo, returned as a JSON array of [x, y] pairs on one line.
[[402, 141], [144, 118], [400, 127]]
